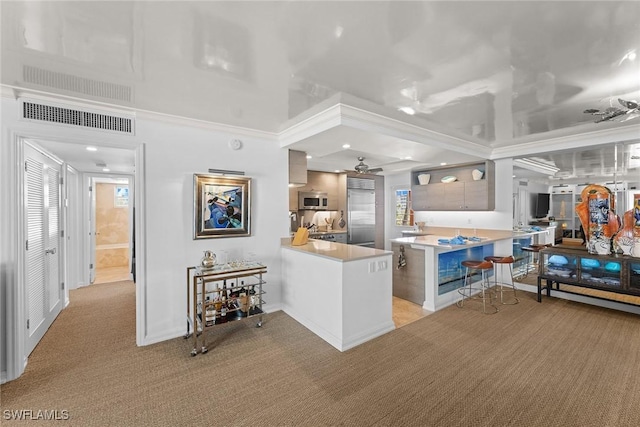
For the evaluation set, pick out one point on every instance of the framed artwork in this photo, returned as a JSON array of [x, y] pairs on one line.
[[121, 197], [222, 206]]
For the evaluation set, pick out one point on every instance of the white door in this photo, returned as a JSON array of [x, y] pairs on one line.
[[92, 230], [42, 249]]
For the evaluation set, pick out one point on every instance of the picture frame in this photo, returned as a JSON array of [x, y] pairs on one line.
[[222, 206]]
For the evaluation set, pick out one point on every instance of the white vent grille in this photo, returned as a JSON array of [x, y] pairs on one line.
[[76, 84], [361, 183], [68, 116]]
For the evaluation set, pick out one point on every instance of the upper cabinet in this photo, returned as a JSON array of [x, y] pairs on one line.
[[297, 168], [467, 190], [325, 182]]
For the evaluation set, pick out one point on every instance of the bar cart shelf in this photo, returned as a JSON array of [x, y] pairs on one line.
[[241, 282]]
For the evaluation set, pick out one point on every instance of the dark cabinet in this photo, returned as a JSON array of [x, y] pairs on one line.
[[577, 267]]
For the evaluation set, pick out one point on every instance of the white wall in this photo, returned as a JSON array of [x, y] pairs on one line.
[[173, 153]]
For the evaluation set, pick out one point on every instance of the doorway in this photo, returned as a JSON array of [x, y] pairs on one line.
[[111, 219]]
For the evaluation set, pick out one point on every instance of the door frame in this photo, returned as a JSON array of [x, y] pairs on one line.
[[89, 220], [15, 303]]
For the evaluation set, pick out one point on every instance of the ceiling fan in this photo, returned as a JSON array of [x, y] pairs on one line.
[[632, 108], [363, 168]]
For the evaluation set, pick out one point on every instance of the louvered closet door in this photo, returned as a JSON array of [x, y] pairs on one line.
[[43, 279]]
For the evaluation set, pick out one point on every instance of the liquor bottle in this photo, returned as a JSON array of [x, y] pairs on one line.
[[210, 316], [243, 300], [253, 299], [223, 309]]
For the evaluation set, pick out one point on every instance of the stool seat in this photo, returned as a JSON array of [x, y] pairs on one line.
[[467, 291], [504, 262], [480, 265], [500, 259]]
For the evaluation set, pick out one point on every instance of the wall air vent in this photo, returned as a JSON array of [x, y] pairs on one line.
[[70, 116], [361, 183], [76, 84]]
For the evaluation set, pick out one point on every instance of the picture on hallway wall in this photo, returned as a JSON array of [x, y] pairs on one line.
[[222, 206]]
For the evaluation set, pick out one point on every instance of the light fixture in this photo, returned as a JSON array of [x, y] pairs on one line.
[[337, 171], [346, 146], [407, 110], [309, 156], [443, 164], [536, 166], [106, 170], [91, 148]]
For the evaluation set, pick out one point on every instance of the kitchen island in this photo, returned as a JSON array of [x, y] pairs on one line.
[[340, 292], [439, 269]]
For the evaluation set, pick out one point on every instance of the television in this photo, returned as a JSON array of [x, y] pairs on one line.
[[541, 205]]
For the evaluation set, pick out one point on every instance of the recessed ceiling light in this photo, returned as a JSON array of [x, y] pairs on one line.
[[92, 149], [407, 158], [443, 164], [106, 170], [346, 146], [407, 110], [309, 156], [337, 171]]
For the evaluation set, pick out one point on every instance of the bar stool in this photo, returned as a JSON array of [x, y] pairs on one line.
[[502, 262], [466, 289], [531, 251]]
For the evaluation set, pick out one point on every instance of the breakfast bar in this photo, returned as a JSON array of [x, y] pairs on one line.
[[340, 292], [442, 272]]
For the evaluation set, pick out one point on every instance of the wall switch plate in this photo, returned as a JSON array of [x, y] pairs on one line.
[[372, 267]]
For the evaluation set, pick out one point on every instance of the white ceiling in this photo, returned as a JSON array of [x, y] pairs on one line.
[[490, 79]]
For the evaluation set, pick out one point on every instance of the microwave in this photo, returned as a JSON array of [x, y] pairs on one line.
[[314, 200]]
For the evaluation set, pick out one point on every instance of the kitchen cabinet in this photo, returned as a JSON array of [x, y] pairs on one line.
[[408, 279], [325, 182], [463, 194], [297, 168]]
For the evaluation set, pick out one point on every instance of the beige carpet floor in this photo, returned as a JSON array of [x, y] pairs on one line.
[[558, 363]]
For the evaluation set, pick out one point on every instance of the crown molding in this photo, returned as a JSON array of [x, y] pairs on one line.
[[17, 93], [570, 142]]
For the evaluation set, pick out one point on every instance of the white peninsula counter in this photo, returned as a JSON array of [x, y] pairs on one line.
[[342, 293], [440, 269]]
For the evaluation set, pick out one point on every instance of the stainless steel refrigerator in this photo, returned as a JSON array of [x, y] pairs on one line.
[[361, 217]]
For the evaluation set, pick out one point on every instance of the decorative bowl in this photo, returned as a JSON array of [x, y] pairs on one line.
[[612, 266], [448, 178], [477, 174], [424, 178], [589, 263], [558, 260]]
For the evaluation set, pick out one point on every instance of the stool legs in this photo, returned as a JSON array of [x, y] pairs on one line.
[[502, 282], [466, 292]]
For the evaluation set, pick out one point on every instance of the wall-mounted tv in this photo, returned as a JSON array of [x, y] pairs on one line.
[[541, 205]]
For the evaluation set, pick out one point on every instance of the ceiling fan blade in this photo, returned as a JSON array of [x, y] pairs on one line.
[[629, 104], [374, 170]]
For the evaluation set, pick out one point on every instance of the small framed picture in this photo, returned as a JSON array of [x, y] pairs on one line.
[[222, 206]]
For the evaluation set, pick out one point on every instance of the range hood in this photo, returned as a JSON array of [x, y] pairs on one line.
[[297, 168]]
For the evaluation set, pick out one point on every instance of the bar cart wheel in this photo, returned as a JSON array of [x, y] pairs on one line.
[[204, 349], [259, 324], [194, 352]]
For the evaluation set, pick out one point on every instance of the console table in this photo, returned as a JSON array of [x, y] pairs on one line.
[[577, 267]]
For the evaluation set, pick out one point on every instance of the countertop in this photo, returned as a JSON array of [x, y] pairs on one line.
[[336, 251], [486, 236]]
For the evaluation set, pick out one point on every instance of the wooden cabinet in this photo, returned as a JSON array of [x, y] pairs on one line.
[[408, 279], [325, 182], [463, 194]]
